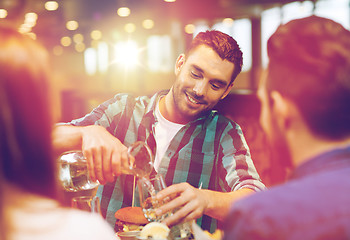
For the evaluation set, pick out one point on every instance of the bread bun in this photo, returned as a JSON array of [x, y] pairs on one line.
[[131, 215]]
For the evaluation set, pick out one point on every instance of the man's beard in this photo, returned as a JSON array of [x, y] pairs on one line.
[[179, 98]]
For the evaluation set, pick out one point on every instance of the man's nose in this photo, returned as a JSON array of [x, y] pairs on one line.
[[200, 87]]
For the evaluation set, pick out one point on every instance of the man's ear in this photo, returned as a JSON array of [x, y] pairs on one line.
[[283, 109], [179, 63]]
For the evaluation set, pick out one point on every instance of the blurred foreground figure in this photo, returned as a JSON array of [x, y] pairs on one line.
[[28, 194], [305, 100]]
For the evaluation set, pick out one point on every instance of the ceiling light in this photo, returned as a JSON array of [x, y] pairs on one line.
[[190, 28], [72, 25], [24, 28], [3, 13], [96, 34], [228, 22], [51, 5], [123, 12], [148, 23], [78, 38], [129, 27], [66, 41], [79, 47], [31, 16], [169, 0]]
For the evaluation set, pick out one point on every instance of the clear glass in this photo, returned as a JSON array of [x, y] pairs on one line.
[[140, 160], [87, 203], [74, 174], [148, 188]]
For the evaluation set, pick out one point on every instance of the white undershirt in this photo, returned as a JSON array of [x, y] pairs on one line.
[[164, 132]]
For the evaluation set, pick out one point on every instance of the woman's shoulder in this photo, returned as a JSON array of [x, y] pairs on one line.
[[91, 226]]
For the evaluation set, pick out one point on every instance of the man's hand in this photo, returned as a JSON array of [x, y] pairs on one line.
[[187, 203], [104, 153]]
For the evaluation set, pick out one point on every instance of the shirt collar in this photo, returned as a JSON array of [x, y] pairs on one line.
[[327, 161]]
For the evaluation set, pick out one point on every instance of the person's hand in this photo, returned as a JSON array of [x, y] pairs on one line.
[[187, 203], [104, 153]]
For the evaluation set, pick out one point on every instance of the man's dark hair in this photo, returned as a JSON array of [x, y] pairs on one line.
[[310, 65], [224, 45]]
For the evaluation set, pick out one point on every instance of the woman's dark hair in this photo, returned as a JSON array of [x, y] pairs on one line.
[[224, 45], [310, 65], [25, 116]]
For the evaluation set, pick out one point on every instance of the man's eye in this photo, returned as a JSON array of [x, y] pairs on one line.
[[215, 86], [195, 75]]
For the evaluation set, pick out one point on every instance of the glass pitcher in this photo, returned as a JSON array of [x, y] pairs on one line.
[[74, 174]]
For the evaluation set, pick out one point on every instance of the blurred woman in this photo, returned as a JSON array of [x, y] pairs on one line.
[[29, 206]]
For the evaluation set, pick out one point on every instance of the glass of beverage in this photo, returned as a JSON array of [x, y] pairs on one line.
[[148, 188], [87, 203], [74, 174]]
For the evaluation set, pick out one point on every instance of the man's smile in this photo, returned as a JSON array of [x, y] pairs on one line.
[[193, 100]]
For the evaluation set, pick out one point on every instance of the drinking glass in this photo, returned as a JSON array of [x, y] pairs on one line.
[[74, 173], [87, 203], [148, 188]]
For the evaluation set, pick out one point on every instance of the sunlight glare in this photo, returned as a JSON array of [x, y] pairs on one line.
[[126, 53]]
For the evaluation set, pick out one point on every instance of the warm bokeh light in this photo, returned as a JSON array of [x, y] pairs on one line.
[[51, 5], [169, 0], [102, 57], [123, 12], [130, 27], [24, 28], [72, 25], [79, 47], [228, 22], [57, 50], [94, 43], [78, 38], [148, 23], [31, 16], [66, 41], [31, 35], [90, 61], [190, 28], [30, 19], [96, 35], [126, 53], [3, 13]]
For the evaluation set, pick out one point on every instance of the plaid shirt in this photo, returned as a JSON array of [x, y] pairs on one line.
[[210, 152]]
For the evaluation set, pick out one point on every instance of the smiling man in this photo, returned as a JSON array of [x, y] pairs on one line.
[[202, 155]]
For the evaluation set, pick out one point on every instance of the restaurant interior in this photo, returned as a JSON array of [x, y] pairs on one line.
[[99, 48]]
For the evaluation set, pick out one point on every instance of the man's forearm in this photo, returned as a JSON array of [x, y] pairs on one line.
[[65, 138], [219, 203]]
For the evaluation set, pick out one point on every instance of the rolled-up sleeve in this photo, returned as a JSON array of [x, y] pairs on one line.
[[237, 161]]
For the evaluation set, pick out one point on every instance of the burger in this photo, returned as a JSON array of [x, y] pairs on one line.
[[130, 219]]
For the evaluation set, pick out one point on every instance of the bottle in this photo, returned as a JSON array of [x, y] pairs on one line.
[[74, 173]]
